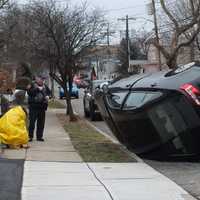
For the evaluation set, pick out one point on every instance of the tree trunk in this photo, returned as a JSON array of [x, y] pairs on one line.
[[192, 52], [172, 62], [69, 108], [52, 88]]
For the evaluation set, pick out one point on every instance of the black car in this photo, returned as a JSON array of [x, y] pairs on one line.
[[155, 115], [90, 107]]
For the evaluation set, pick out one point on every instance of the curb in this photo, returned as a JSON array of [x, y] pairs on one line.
[[100, 131], [133, 155]]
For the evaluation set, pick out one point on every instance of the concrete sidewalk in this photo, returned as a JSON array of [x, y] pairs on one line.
[[54, 170]]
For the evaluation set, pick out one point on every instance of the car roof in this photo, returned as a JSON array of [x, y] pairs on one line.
[[125, 83], [168, 79]]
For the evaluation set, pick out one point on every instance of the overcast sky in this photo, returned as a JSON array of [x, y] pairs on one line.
[[115, 9], [119, 9]]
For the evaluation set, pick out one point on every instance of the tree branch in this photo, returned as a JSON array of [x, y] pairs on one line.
[[171, 17]]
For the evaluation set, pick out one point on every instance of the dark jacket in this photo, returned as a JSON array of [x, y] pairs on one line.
[[37, 98]]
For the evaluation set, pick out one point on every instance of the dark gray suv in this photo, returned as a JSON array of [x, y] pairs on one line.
[[155, 115]]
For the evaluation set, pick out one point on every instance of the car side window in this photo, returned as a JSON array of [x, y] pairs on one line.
[[139, 98], [116, 99]]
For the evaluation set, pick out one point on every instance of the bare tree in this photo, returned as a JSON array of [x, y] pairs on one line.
[[60, 35], [138, 51], [3, 3], [180, 26], [141, 38]]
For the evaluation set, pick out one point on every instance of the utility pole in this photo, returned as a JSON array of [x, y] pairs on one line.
[[156, 32], [127, 38], [108, 33]]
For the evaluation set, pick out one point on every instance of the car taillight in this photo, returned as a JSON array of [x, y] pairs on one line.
[[192, 91]]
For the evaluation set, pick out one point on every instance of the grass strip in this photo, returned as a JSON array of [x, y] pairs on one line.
[[54, 104], [91, 145]]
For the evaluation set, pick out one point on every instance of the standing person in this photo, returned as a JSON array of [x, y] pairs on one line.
[[38, 96]]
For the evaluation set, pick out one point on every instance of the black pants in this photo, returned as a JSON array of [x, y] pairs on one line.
[[36, 115]]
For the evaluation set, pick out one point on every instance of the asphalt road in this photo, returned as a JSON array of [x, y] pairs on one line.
[[185, 174], [11, 173]]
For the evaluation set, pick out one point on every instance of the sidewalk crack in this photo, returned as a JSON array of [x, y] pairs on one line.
[[109, 193]]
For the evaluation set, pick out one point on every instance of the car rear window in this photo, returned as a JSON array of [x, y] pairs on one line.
[[138, 99], [116, 99], [189, 68]]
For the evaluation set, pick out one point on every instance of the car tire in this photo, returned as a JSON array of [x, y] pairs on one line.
[[86, 113], [92, 113], [60, 97], [77, 96]]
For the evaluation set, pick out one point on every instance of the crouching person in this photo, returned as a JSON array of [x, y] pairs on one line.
[[13, 131]]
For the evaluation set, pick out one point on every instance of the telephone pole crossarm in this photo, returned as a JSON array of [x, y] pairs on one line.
[[127, 38]]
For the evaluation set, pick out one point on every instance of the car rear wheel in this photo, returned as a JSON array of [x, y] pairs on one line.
[[86, 113], [92, 113]]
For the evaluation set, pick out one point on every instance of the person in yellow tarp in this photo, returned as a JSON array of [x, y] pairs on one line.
[[13, 131]]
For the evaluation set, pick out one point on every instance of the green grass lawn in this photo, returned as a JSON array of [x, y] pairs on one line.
[[91, 145]]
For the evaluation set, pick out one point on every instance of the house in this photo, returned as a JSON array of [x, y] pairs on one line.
[[103, 59], [186, 55], [8, 73], [11, 75]]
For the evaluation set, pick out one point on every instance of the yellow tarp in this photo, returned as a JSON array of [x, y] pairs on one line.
[[13, 129]]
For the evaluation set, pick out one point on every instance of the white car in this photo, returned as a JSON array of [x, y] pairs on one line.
[[20, 95]]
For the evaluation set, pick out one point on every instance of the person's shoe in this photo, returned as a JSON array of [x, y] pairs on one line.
[[30, 139], [40, 139]]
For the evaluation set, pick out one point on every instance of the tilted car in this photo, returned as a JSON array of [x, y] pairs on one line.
[[90, 107], [73, 93], [155, 115]]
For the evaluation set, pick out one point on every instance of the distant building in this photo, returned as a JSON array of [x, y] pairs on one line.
[[8, 73], [103, 59], [186, 55]]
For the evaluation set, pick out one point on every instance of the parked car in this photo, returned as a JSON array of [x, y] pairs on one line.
[[81, 83], [90, 107], [155, 115], [74, 92]]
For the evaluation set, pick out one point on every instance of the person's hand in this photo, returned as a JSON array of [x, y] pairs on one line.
[[47, 98], [28, 86], [40, 88]]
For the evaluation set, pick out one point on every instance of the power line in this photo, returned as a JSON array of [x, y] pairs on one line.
[[124, 8]]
